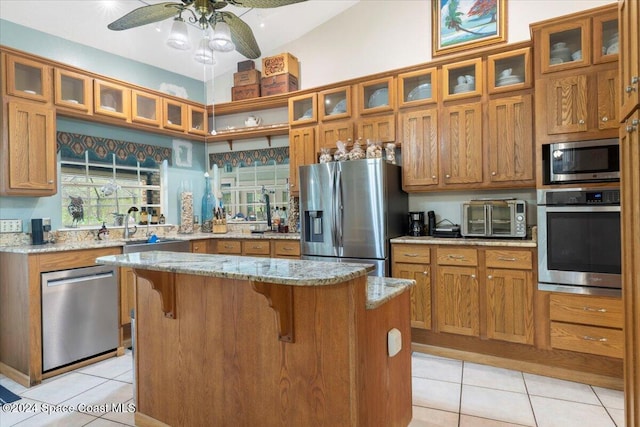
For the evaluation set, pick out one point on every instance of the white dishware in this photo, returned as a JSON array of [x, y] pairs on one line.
[[252, 121], [509, 80], [612, 49], [379, 98], [422, 91], [462, 88], [470, 79], [555, 61], [559, 45], [107, 108], [505, 73], [307, 114], [577, 55], [71, 101], [340, 107], [462, 80], [32, 92]]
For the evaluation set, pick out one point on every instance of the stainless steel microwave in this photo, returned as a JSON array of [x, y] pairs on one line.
[[494, 218], [582, 161]]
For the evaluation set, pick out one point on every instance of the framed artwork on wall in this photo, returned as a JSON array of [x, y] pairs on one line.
[[463, 25]]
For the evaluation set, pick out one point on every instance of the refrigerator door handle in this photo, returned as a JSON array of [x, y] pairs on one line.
[[339, 209], [334, 203]]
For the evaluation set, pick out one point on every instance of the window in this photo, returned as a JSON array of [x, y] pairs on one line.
[[242, 189], [94, 192]]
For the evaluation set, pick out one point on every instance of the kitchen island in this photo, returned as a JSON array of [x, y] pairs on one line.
[[230, 340]]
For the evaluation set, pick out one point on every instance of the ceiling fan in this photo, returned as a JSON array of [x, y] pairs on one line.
[[205, 13]]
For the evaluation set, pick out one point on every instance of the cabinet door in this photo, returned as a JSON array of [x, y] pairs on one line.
[[301, 152], [330, 133], [28, 79], [510, 305], [608, 104], [127, 294], [457, 300], [174, 115], [73, 90], [629, 12], [565, 45], [146, 108], [511, 148], [566, 104], [111, 100], [198, 120], [461, 144], [29, 156], [378, 129], [200, 246], [419, 136], [420, 293]]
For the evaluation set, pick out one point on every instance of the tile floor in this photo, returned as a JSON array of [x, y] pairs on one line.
[[446, 393]]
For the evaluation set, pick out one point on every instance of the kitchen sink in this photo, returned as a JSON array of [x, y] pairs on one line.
[[134, 246]]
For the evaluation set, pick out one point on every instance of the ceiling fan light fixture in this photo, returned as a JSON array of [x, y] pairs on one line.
[[179, 36], [221, 40], [204, 54]]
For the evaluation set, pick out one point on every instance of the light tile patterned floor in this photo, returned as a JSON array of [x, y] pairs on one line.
[[446, 393]]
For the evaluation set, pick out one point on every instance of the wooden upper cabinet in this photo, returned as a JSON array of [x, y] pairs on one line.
[[461, 144], [335, 104], [629, 12], [303, 109], [419, 135], [112, 99], [511, 149], [198, 120], [174, 115], [463, 79], [565, 45], [145, 108], [608, 99], [301, 152], [566, 104], [508, 71], [28, 79], [73, 90], [332, 132], [376, 96], [606, 39], [418, 88], [379, 128], [29, 154]]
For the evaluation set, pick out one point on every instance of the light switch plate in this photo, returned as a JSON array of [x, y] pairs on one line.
[[394, 342], [10, 226]]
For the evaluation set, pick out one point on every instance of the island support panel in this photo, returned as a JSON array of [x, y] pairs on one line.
[[220, 360]]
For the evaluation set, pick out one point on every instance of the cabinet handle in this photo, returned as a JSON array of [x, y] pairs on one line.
[[605, 119], [581, 122], [425, 273], [502, 258], [634, 124], [256, 247], [433, 177], [593, 309], [588, 338], [489, 277], [50, 181], [447, 176], [455, 256], [493, 174], [473, 276], [411, 255], [287, 248]]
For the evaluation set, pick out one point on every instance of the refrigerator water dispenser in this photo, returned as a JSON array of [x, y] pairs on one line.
[[313, 226]]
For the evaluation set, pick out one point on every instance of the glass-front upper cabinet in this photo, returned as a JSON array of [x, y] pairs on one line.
[[145, 108], [375, 96], [28, 79], [197, 120], [605, 38], [303, 109], [462, 79], [565, 45], [417, 88], [335, 103], [174, 115], [111, 99], [509, 71], [73, 90]]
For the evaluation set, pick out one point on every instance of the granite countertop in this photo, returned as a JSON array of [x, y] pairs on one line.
[[98, 244], [270, 270], [467, 241]]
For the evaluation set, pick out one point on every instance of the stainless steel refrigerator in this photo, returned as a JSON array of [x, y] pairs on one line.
[[349, 211]]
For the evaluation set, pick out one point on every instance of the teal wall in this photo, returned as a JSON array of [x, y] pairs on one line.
[[61, 50], [98, 61]]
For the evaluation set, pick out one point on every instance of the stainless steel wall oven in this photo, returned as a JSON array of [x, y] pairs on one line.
[[579, 240]]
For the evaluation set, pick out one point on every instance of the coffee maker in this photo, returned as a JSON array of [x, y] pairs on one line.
[[40, 228], [416, 223]]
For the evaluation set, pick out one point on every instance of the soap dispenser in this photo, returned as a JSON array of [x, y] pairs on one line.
[[103, 233]]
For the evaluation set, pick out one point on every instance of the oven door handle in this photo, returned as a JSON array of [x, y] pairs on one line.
[[585, 208]]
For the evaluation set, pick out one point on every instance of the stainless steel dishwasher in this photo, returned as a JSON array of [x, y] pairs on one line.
[[79, 314]]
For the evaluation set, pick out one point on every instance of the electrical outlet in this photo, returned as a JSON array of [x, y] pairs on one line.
[[10, 226]]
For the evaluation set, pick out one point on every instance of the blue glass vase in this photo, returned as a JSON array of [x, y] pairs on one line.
[[208, 204]]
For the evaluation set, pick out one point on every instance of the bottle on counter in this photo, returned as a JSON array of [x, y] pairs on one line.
[[275, 220], [144, 216], [208, 204], [162, 219]]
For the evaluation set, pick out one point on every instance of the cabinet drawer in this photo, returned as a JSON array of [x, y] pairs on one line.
[[587, 339], [73, 259], [587, 310], [418, 254], [229, 247], [509, 259], [256, 247], [457, 256], [287, 248]]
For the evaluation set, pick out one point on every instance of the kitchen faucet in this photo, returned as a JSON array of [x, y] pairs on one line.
[[128, 233]]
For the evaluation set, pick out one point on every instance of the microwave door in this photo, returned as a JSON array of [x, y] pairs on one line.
[[500, 222], [475, 219]]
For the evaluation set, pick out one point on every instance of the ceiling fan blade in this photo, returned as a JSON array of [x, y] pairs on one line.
[[146, 15], [262, 4], [242, 36]]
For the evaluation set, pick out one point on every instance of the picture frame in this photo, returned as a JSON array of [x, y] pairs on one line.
[[463, 25], [182, 153]]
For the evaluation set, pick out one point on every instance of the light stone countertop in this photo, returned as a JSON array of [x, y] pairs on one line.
[[97, 244], [269, 270], [466, 241]]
